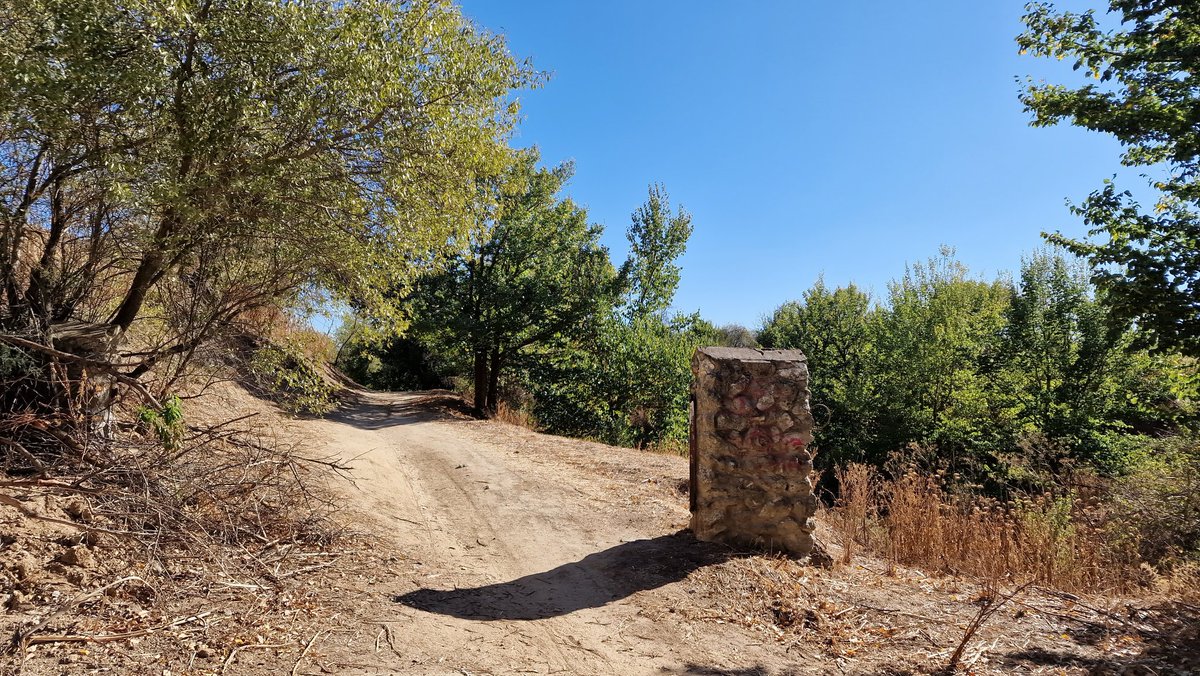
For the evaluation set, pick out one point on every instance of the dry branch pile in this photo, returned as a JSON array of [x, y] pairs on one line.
[[189, 536]]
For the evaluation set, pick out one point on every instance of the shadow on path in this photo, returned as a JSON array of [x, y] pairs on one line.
[[593, 581], [370, 413]]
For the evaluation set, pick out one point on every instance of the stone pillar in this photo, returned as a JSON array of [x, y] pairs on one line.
[[751, 427]]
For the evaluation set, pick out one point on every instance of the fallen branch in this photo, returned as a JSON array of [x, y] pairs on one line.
[[1072, 598], [213, 429], [47, 483], [989, 608], [334, 465], [102, 638], [311, 641], [235, 651], [24, 453], [904, 613], [387, 631]]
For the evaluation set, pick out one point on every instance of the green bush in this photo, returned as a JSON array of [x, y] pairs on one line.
[[16, 363], [166, 423], [287, 374], [1155, 507]]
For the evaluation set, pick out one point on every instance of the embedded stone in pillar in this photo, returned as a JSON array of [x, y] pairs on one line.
[[750, 460]]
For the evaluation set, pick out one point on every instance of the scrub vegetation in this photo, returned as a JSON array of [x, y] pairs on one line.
[[183, 183]]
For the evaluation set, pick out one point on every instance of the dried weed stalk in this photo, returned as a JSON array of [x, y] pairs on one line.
[[1053, 540]]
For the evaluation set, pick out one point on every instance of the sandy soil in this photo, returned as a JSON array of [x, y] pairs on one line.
[[498, 550], [518, 553], [477, 547]]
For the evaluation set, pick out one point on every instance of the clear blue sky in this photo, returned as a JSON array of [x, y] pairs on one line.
[[804, 137]]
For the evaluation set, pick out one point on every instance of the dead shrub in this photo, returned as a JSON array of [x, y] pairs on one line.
[[855, 515], [1059, 540], [515, 415], [187, 506]]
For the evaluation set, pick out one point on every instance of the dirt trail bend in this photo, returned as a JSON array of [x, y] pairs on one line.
[[507, 551]]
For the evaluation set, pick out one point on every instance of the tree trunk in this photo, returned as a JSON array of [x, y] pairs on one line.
[[151, 265], [38, 294], [14, 232], [493, 391], [481, 382]]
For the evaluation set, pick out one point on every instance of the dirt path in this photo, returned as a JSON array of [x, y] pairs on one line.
[[505, 551], [483, 548]]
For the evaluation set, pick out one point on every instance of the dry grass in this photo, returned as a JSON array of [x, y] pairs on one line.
[[1058, 541], [515, 415], [876, 618]]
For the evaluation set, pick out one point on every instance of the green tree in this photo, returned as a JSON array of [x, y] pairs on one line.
[[937, 342], [531, 273], [834, 329], [1147, 75], [657, 237], [629, 384], [1063, 359], [736, 335], [233, 153], [629, 381]]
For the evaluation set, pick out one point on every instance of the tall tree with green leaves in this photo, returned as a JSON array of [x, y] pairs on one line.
[[1073, 376], [531, 273], [1145, 93], [835, 330], [937, 341], [628, 383], [657, 238], [1061, 355], [235, 152]]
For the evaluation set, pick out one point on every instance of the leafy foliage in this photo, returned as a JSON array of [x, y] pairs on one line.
[[1157, 507], [835, 329], [656, 238], [285, 372], [210, 157], [628, 381], [629, 385], [169, 172], [1003, 384], [166, 422], [933, 346], [532, 307], [531, 271], [393, 363], [736, 335], [1147, 76]]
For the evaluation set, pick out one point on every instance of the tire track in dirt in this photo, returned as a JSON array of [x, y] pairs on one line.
[[515, 558]]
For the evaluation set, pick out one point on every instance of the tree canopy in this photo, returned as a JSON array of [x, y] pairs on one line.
[[1146, 75], [531, 270], [657, 237], [253, 147]]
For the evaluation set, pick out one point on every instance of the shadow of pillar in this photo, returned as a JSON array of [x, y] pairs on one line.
[[593, 581]]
